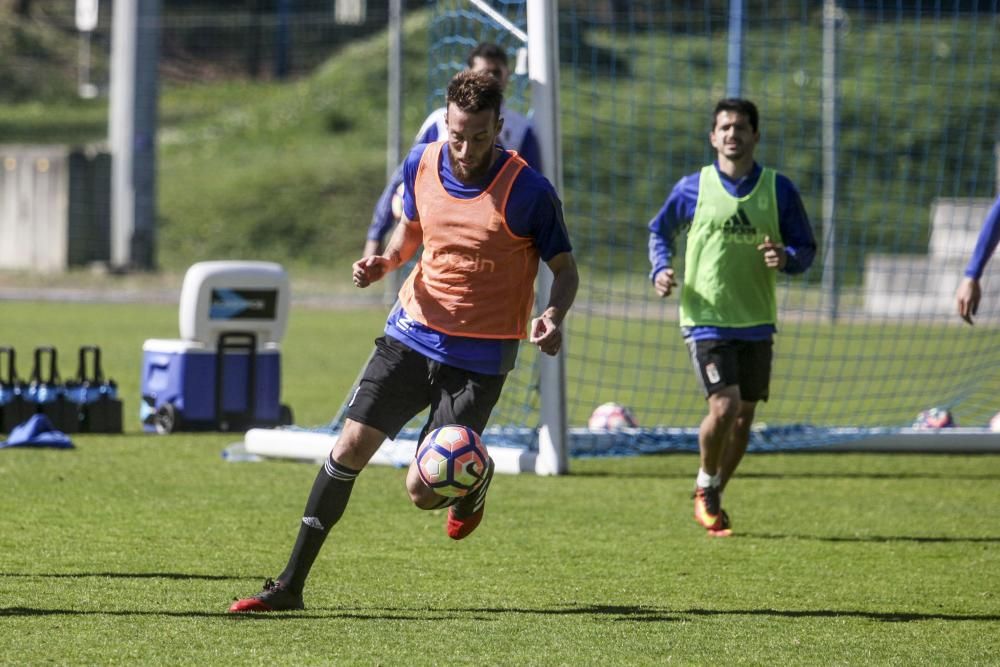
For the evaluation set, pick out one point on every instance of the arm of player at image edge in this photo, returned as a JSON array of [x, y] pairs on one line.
[[546, 330], [664, 282], [676, 212], [404, 243], [383, 217], [793, 253], [660, 253], [969, 292]]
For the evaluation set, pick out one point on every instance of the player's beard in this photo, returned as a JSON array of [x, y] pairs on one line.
[[473, 173]]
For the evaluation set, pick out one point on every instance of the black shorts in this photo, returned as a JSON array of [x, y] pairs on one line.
[[399, 383], [723, 363]]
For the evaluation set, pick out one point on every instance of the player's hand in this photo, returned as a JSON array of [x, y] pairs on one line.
[[546, 335], [664, 282], [967, 298], [368, 270], [775, 256]]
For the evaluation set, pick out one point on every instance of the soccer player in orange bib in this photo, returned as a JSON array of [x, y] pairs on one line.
[[485, 219]]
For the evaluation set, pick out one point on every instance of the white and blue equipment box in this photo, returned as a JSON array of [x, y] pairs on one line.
[[224, 373]]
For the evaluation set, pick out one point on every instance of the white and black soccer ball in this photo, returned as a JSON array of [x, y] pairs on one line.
[[452, 460]]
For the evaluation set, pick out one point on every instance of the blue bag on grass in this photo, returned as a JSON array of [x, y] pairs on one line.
[[38, 431]]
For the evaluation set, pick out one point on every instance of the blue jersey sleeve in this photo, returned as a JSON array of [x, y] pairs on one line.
[[534, 210], [796, 232], [531, 151], [410, 165], [382, 219], [989, 236], [429, 136], [677, 211]]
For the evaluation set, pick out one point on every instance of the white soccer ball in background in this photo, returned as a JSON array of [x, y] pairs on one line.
[[611, 417], [995, 423]]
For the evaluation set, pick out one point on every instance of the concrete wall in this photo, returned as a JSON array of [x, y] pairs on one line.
[[54, 207]]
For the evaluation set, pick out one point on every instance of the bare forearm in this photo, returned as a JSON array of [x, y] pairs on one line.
[[565, 282], [403, 244]]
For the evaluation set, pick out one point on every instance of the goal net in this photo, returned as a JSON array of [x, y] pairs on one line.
[[882, 113]]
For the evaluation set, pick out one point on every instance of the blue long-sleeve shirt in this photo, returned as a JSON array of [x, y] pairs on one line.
[[989, 236], [678, 211]]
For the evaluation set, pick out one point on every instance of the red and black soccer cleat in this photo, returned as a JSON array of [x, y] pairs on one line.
[[273, 597], [465, 515]]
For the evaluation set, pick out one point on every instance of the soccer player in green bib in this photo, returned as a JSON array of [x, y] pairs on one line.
[[747, 223]]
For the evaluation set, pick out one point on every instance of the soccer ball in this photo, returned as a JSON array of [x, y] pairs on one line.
[[451, 460], [934, 418], [397, 203], [995, 423], [611, 417]]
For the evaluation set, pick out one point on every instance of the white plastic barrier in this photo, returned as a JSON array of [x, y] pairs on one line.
[[316, 446]]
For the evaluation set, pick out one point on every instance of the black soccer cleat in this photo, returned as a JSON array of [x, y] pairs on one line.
[[273, 597]]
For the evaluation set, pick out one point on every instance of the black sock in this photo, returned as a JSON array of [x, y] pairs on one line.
[[327, 500], [444, 502]]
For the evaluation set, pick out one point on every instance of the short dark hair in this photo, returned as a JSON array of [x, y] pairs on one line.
[[487, 51], [475, 91], [740, 106]]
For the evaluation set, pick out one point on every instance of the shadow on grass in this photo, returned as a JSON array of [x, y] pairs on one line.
[[633, 613], [884, 616], [796, 475], [916, 539], [127, 575], [29, 611], [632, 474], [870, 475]]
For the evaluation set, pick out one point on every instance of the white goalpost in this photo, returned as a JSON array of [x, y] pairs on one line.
[[543, 70]]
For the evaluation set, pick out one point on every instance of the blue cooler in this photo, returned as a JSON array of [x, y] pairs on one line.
[[224, 373]]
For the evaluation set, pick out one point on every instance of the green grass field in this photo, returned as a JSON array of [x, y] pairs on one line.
[[128, 549]]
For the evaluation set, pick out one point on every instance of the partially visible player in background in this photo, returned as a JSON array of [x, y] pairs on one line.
[[485, 220], [517, 134], [747, 223], [969, 293]]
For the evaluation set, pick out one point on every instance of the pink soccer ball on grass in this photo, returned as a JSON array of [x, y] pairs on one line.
[[995, 423], [934, 418], [611, 417]]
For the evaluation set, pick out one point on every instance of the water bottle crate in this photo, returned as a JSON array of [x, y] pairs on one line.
[[87, 403]]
